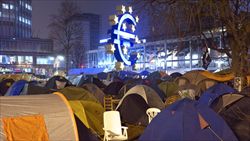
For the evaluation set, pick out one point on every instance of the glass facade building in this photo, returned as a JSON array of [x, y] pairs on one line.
[[164, 55], [15, 18]]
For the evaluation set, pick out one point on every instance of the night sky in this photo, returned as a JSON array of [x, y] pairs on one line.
[[42, 9]]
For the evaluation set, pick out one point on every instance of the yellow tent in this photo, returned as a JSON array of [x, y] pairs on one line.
[[90, 113]]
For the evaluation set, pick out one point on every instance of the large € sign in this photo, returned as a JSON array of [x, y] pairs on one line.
[[123, 37]]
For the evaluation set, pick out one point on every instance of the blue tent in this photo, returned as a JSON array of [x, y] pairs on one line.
[[145, 73], [16, 88], [102, 75], [186, 120], [214, 92]]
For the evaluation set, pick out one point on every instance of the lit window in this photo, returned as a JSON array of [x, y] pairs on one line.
[[0, 14], [27, 6], [5, 6], [20, 19], [29, 22], [11, 6]]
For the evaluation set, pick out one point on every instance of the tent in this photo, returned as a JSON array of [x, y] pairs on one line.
[[113, 88], [102, 76], [93, 80], [175, 75], [237, 117], [90, 113], [147, 93], [5, 85], [196, 76], [169, 88], [21, 115], [144, 73], [76, 93], [51, 84], [16, 88], [133, 110], [34, 89], [181, 81], [128, 85], [97, 92], [204, 84], [214, 92], [186, 120], [224, 100]]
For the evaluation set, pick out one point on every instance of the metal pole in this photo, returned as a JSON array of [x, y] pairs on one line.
[[190, 51], [144, 56], [165, 50]]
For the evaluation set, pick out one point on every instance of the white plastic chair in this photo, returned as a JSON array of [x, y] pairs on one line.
[[113, 130], [152, 112]]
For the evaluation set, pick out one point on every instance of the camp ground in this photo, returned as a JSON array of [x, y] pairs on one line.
[[197, 105]]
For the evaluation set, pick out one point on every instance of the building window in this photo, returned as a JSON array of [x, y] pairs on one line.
[[11, 6], [5, 6], [27, 6]]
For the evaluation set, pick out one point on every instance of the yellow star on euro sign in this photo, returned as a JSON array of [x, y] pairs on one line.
[[121, 9], [137, 19], [110, 48], [130, 10], [133, 28], [119, 65], [113, 19], [124, 26], [125, 50]]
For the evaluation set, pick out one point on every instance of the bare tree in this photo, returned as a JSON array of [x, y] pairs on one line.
[[65, 32], [230, 19]]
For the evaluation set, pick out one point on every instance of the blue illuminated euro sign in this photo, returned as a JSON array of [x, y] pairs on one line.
[[123, 37]]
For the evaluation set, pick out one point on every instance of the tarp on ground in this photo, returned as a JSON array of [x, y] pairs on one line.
[[148, 94], [28, 112], [16, 88], [186, 120], [214, 92], [87, 71], [133, 110], [97, 92]]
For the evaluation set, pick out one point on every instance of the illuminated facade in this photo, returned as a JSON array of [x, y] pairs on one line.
[[162, 55]]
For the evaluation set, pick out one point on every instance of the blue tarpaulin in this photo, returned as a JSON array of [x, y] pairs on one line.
[[87, 71]]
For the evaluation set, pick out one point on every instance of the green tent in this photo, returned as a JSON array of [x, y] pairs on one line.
[[169, 88]]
